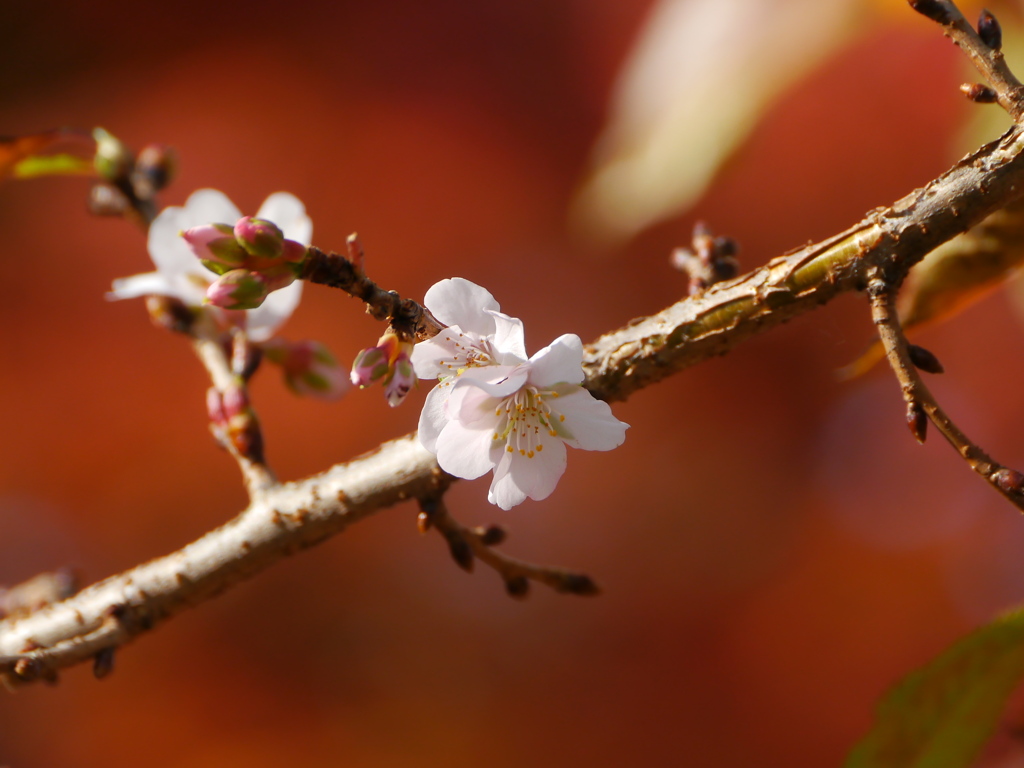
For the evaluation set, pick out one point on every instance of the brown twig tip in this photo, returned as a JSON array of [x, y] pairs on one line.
[[578, 584], [103, 663], [924, 360], [989, 30], [708, 260], [933, 9], [518, 587], [979, 94], [1009, 481], [917, 420], [460, 551], [491, 536]]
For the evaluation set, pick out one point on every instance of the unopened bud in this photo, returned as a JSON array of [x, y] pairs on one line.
[[170, 313], [112, 160], [933, 9], [259, 237], [309, 368], [978, 93], [492, 535], [517, 586], [155, 167], [924, 359], [1009, 481], [989, 31], [403, 379], [238, 289], [215, 246], [103, 663], [917, 420], [461, 553], [424, 522], [578, 584]]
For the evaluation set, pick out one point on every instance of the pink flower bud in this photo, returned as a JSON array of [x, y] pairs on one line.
[[403, 379], [238, 289], [389, 363], [259, 237], [215, 246], [309, 368], [294, 253], [215, 407]]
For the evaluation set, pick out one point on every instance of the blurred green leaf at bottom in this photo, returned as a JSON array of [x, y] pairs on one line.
[[941, 715]]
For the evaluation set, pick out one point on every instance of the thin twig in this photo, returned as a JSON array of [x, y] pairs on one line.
[[336, 271], [465, 544], [921, 402], [988, 61]]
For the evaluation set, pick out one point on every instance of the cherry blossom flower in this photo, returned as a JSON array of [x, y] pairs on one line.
[[493, 409], [182, 276]]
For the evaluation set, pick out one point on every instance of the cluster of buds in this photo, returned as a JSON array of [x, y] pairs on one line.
[[389, 362], [252, 258], [234, 421], [709, 259], [309, 368]]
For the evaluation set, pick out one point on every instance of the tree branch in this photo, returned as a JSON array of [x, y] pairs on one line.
[[289, 517]]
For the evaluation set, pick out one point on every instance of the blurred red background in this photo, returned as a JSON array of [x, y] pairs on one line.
[[774, 548]]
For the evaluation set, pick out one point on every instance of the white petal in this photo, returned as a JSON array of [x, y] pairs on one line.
[[431, 359], [456, 301], [464, 452], [262, 322], [433, 417], [588, 420], [210, 206], [147, 284], [186, 277], [288, 212], [560, 361], [498, 381], [518, 477], [509, 340]]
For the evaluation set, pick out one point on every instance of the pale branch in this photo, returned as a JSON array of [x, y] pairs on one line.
[[278, 523], [727, 313], [291, 516], [469, 544], [921, 405]]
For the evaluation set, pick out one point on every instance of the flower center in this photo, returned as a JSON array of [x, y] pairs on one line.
[[524, 419]]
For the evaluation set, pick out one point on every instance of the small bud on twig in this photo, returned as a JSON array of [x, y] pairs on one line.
[[461, 552], [978, 93], [989, 31], [933, 9], [1009, 481], [103, 663], [423, 522], [492, 535], [579, 584], [518, 587], [917, 420], [924, 360]]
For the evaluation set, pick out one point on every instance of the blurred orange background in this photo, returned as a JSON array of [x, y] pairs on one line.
[[775, 549]]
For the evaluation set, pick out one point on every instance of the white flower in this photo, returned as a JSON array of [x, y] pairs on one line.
[[494, 409], [180, 274]]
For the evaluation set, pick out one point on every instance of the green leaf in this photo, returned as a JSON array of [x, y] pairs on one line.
[[941, 715], [51, 165]]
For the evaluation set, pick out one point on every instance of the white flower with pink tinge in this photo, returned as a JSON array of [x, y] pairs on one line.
[[493, 409], [180, 274]]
